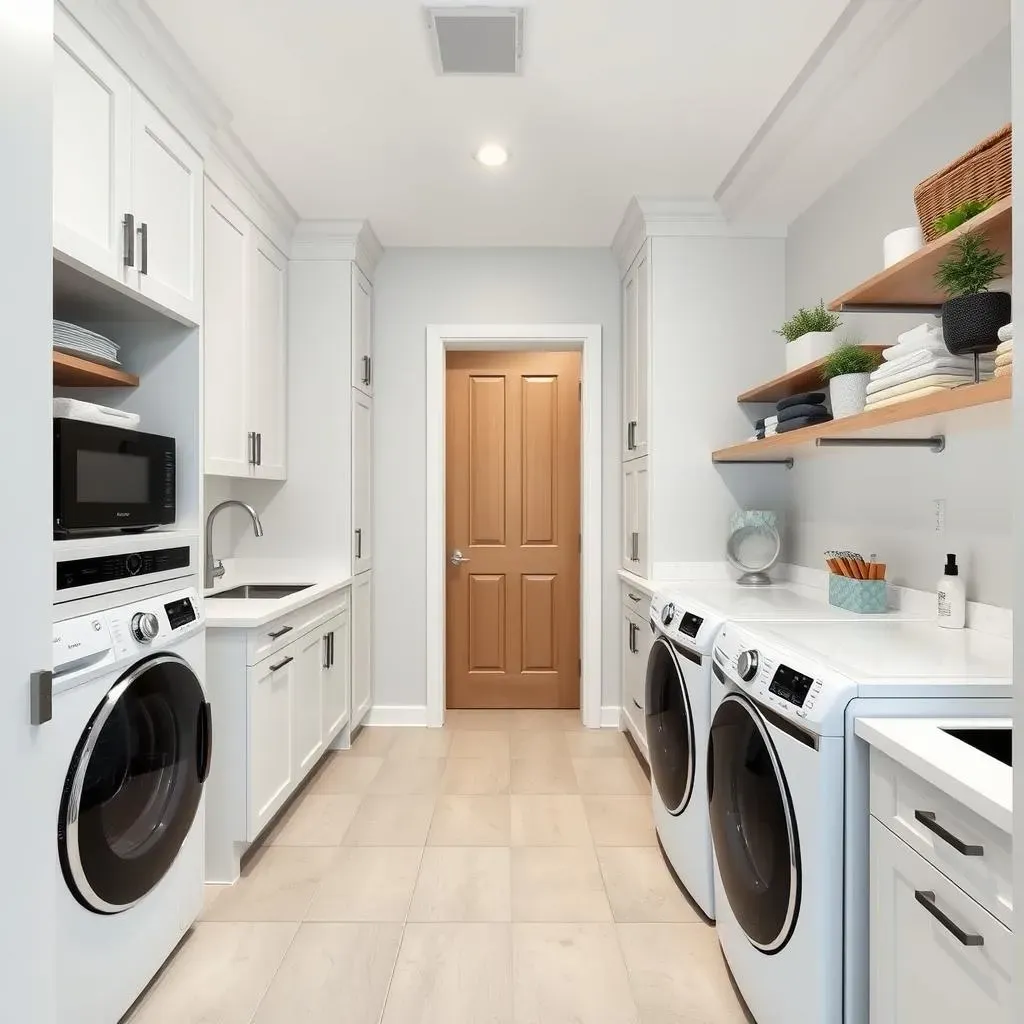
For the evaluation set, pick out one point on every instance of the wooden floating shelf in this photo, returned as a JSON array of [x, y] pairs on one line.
[[806, 378], [783, 446], [75, 372], [911, 282]]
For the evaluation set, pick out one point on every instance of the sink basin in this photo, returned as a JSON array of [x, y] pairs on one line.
[[261, 591], [996, 741]]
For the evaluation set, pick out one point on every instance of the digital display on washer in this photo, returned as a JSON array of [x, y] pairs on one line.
[[690, 624], [791, 685], [180, 613]]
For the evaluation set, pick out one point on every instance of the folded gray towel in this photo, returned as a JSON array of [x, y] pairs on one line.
[[803, 421], [793, 411], [807, 398]]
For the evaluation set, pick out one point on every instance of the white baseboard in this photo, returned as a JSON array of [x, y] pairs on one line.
[[397, 715], [610, 716]]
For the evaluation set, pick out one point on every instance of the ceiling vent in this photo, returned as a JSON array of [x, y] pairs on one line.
[[476, 40]]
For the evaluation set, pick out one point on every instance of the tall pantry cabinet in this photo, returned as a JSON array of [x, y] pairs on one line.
[[331, 398]]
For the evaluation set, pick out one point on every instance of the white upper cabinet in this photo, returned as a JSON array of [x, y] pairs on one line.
[[362, 332], [636, 517], [92, 124], [362, 482], [167, 202], [268, 360], [128, 189], [228, 270], [245, 346], [636, 314]]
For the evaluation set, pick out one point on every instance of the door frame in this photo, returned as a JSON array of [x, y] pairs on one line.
[[583, 338]]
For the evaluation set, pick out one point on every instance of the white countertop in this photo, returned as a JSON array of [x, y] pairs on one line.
[[976, 780], [226, 613]]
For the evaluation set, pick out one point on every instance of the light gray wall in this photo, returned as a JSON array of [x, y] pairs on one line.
[[881, 501], [417, 287]]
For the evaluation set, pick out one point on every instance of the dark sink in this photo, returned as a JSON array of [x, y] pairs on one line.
[[997, 742], [261, 591]]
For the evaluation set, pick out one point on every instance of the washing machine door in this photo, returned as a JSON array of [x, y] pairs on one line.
[[753, 827], [670, 739], [134, 784]]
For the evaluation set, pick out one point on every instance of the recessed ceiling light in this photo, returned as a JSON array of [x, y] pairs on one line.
[[492, 155]]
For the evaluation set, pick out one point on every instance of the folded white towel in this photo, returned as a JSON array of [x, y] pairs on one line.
[[771, 421], [1006, 332], [924, 358], [1004, 359], [1004, 371], [926, 337], [1003, 347], [920, 393], [934, 380], [942, 366]]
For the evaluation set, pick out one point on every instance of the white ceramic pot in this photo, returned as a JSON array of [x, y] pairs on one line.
[[810, 347], [848, 393]]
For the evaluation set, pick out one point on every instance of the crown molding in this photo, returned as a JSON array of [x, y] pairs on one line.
[[679, 218], [338, 240]]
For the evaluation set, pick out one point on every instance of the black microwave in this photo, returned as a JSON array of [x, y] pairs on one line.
[[108, 478]]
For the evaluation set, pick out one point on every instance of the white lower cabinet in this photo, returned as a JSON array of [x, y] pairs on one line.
[[269, 747], [936, 954], [307, 700], [335, 690], [362, 646], [636, 646]]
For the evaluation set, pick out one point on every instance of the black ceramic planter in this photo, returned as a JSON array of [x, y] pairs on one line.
[[970, 322]]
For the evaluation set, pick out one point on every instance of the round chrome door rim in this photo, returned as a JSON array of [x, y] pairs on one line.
[[691, 762], [787, 806], [114, 694]]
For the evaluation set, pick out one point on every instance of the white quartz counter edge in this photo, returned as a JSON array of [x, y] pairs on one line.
[[974, 779], [225, 613]]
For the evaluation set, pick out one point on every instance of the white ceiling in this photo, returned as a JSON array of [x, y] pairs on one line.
[[339, 102]]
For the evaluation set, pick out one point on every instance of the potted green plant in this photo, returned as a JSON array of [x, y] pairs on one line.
[[959, 215], [847, 370], [810, 334], [972, 315]]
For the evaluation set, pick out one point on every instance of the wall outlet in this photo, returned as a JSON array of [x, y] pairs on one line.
[[939, 514]]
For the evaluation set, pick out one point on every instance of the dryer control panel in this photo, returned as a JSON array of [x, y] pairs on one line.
[[786, 681]]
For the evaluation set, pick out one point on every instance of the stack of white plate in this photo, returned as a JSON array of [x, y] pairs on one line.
[[78, 341]]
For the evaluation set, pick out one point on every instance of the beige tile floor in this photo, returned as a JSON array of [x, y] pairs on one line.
[[502, 870]]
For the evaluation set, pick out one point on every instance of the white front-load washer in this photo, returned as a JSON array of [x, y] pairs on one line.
[[686, 618], [134, 740], [787, 792]]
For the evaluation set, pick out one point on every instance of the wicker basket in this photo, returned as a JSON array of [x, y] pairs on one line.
[[983, 172]]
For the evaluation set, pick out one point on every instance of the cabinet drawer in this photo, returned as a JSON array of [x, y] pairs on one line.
[[635, 600], [269, 639], [936, 954], [966, 848]]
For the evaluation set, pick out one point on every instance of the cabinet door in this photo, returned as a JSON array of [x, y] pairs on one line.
[[268, 404], [630, 538], [271, 777], [643, 518], [362, 482], [642, 355], [92, 149], [362, 332], [936, 954], [629, 363], [227, 261], [310, 654], [362, 646], [167, 200], [336, 676]]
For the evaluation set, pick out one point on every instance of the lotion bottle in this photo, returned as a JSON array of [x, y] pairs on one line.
[[952, 596]]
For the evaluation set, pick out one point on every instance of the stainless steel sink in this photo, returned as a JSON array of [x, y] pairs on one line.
[[261, 591]]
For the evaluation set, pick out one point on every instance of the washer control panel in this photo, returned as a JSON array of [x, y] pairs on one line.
[[693, 630], [783, 680]]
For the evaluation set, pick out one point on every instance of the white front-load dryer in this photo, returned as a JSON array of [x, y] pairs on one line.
[[134, 735]]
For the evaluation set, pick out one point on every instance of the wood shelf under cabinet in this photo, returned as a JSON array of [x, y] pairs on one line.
[[806, 378], [911, 282], [917, 412], [74, 372]]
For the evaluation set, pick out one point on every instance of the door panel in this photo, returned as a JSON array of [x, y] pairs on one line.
[[307, 702], [268, 405], [362, 646], [270, 739], [513, 484], [362, 483], [629, 367], [335, 685], [642, 355], [362, 332]]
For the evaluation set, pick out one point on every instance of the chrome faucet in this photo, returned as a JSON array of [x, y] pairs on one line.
[[214, 568]]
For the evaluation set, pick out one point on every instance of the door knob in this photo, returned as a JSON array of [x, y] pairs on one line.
[[457, 557]]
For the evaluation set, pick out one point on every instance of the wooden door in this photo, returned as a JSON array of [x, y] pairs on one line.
[[228, 271], [513, 509]]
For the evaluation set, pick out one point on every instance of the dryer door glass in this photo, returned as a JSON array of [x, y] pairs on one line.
[[669, 727], [134, 784], [752, 825]]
